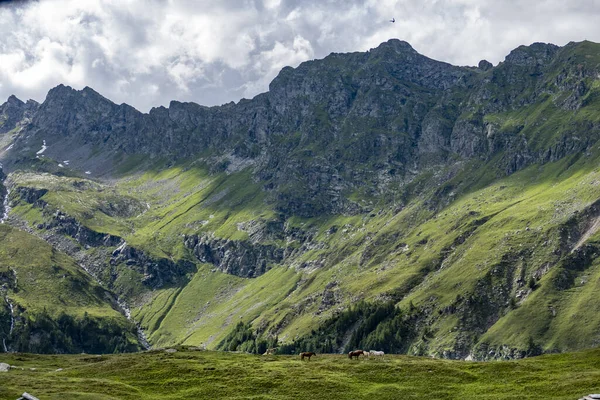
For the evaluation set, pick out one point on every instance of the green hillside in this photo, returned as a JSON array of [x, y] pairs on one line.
[[489, 246], [49, 304]]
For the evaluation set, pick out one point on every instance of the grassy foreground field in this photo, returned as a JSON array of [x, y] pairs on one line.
[[189, 374]]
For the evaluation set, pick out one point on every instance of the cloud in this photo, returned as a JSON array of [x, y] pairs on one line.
[[148, 52]]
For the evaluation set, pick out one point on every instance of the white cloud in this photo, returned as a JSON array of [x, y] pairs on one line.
[[148, 52], [270, 62], [271, 4]]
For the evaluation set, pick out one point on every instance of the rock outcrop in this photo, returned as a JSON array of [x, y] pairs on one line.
[[156, 271], [239, 258]]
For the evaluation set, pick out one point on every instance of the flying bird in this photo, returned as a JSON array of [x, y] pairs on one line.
[[393, 20]]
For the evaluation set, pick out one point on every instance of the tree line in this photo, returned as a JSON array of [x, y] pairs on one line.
[[41, 332], [365, 325]]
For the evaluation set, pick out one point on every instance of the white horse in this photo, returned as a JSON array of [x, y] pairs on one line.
[[376, 353], [270, 351]]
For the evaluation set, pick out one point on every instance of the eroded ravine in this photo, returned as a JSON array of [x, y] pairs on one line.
[[140, 332]]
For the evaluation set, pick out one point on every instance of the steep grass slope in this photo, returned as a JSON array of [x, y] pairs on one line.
[[50, 304]]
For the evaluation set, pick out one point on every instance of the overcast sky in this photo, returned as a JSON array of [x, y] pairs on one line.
[[148, 52]]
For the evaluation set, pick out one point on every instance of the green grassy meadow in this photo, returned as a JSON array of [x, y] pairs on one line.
[[197, 374]]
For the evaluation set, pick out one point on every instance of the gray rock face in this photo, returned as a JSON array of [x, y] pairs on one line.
[[251, 258], [235, 257], [334, 106], [15, 113], [156, 271], [536, 54], [67, 225], [30, 195]]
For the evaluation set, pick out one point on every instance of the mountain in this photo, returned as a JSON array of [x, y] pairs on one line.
[[378, 199]]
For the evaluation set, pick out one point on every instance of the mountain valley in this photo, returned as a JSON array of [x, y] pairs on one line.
[[375, 199]]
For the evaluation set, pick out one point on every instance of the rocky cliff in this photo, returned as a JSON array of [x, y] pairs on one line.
[[369, 120]]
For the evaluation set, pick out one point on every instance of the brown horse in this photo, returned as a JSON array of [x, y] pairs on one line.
[[307, 354], [355, 353]]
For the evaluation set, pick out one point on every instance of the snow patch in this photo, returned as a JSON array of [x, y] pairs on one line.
[[10, 147], [88, 172], [120, 248], [43, 149], [60, 165]]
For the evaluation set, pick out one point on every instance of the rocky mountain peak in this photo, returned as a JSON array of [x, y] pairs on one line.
[[535, 54], [66, 102], [397, 45], [14, 111], [91, 93], [59, 91], [14, 100], [62, 93]]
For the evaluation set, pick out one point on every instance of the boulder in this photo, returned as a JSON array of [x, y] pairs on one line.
[[485, 65]]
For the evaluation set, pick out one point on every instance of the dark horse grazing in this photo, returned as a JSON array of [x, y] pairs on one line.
[[355, 353], [307, 354]]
